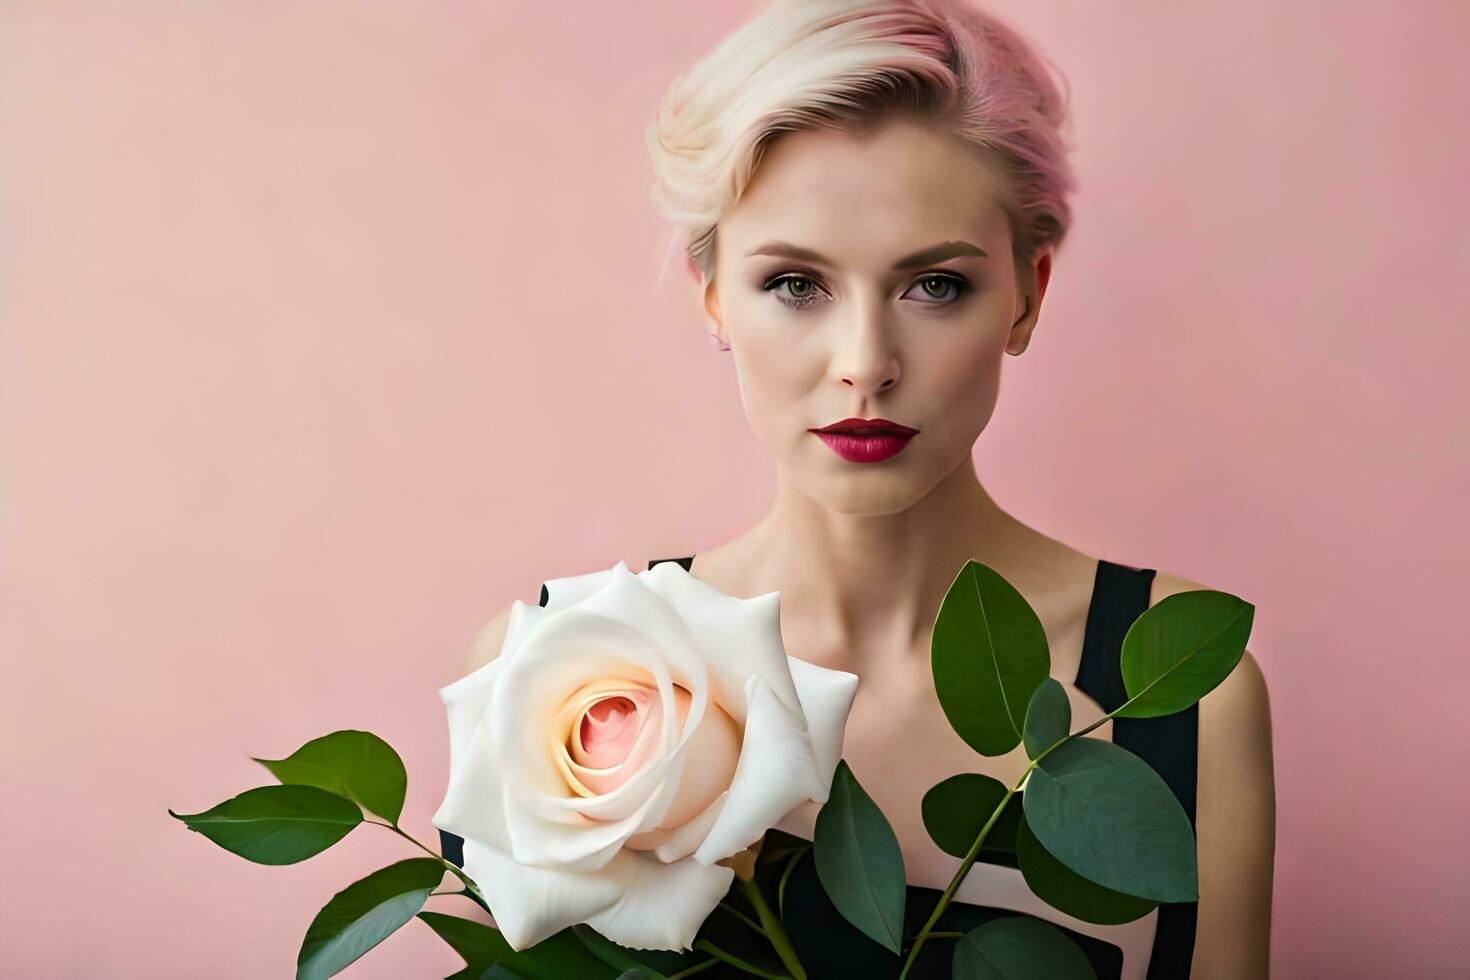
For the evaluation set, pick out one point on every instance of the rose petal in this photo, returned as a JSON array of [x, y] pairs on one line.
[[607, 728], [622, 623], [626, 598], [826, 699], [642, 732], [663, 905], [680, 842], [546, 823], [713, 752], [588, 846], [571, 650], [465, 702], [736, 637], [572, 589], [530, 903], [474, 798], [524, 619], [776, 773]]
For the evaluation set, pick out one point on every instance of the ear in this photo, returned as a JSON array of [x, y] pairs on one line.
[[1032, 280], [712, 310]]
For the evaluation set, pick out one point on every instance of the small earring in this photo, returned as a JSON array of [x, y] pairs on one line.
[[715, 341]]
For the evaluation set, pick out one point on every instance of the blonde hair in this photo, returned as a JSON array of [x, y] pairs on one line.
[[848, 64]]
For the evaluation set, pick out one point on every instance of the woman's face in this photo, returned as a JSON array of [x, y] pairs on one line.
[[871, 276]]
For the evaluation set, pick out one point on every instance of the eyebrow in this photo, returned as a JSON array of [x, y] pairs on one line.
[[927, 256]]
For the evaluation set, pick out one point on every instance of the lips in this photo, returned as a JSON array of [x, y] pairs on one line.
[[868, 427], [865, 440]]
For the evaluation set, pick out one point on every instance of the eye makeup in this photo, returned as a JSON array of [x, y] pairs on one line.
[[800, 289]]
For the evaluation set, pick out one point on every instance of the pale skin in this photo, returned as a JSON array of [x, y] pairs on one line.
[[862, 553]]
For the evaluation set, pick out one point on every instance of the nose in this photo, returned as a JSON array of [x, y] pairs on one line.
[[864, 355]]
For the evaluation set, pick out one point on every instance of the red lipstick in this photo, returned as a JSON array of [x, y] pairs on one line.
[[865, 440]]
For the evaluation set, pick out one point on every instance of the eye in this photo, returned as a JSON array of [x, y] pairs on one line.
[[794, 289], [941, 290]]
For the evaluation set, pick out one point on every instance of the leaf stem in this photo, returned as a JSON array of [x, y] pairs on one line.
[[708, 947], [974, 851], [785, 876], [470, 887], [959, 876], [696, 968], [743, 917], [771, 926]]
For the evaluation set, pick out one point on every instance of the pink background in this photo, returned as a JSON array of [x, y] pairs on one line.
[[304, 310]]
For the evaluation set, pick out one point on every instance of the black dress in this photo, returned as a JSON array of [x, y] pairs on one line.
[[830, 947]]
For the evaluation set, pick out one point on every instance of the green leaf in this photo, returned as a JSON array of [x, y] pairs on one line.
[[364, 914], [1064, 889], [1019, 948], [858, 861], [1048, 718], [496, 972], [480, 945], [1180, 648], [557, 957], [656, 961], [1105, 814], [987, 655], [357, 765], [276, 824], [955, 809]]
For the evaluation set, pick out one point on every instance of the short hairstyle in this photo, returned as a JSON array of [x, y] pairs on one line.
[[848, 64]]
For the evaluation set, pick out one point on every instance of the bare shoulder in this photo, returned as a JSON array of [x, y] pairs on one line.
[[1236, 817], [1242, 697]]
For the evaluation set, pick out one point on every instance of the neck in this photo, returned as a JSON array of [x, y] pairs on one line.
[[867, 584]]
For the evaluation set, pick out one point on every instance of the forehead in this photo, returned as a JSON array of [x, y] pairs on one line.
[[862, 196]]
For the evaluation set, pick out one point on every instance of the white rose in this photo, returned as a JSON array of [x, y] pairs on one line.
[[631, 734]]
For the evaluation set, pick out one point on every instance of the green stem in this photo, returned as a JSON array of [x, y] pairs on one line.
[[785, 876], [450, 866], [704, 945], [743, 917], [771, 926], [954, 883], [696, 968], [974, 851]]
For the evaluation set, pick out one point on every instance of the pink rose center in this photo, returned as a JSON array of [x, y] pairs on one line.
[[609, 729]]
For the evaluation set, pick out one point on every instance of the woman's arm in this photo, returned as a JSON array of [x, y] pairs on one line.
[[1235, 820], [1236, 826]]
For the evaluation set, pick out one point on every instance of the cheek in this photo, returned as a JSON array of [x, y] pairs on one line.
[[966, 376], [776, 379], [961, 383]]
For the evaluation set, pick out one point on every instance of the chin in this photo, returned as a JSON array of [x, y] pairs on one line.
[[866, 494]]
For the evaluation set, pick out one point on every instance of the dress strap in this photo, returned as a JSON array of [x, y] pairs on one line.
[[1170, 744]]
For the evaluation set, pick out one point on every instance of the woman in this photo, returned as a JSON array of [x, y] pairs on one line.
[[871, 196]]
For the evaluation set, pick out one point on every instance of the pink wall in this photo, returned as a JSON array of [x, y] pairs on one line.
[[303, 306]]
